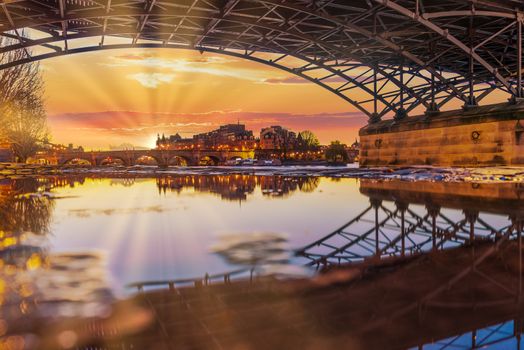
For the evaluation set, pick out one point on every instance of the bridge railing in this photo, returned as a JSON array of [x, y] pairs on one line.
[[207, 279]]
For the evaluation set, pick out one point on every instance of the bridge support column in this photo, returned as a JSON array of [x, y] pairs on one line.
[[471, 218], [432, 106], [402, 208], [375, 117], [376, 203], [401, 112], [433, 211], [519, 93], [472, 100]]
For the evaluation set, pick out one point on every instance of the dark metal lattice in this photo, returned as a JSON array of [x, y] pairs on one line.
[[383, 56]]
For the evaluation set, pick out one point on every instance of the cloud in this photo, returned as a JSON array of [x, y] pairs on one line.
[[205, 59], [147, 127], [152, 80], [211, 65], [129, 123]]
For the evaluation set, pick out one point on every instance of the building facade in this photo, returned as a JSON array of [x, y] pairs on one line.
[[277, 138], [229, 137], [275, 142]]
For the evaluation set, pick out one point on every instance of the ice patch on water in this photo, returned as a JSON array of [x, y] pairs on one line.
[[267, 253], [411, 173]]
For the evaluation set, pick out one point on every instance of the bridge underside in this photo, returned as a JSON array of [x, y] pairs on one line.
[[387, 58], [384, 57]]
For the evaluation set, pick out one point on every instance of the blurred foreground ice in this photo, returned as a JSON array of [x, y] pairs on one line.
[[265, 252], [411, 173]]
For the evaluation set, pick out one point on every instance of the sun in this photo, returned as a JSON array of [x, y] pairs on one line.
[[151, 141]]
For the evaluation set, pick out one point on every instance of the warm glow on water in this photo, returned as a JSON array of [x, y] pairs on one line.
[[70, 246], [148, 235]]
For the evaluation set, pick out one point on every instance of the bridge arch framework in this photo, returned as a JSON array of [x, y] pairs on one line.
[[385, 57]]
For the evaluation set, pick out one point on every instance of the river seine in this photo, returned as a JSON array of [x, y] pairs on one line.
[[77, 246]]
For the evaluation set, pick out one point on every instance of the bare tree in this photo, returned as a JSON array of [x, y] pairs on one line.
[[22, 112], [309, 140]]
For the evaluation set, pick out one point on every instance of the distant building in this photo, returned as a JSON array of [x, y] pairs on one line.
[[354, 151], [229, 137], [174, 142], [355, 145], [277, 138], [47, 146], [232, 137], [48, 153]]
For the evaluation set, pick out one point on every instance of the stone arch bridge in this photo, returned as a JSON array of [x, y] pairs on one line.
[[161, 157]]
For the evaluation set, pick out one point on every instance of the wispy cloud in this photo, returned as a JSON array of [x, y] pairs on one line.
[[164, 69], [152, 80], [138, 122], [212, 65], [218, 66], [98, 129], [161, 126]]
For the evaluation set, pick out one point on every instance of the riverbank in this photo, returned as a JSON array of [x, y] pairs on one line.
[[414, 173]]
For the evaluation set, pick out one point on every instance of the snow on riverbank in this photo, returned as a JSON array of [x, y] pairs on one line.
[[414, 173]]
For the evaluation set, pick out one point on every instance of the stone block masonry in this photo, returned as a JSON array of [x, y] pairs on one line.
[[480, 136]]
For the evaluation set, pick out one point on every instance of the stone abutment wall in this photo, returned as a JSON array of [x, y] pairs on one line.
[[481, 136]]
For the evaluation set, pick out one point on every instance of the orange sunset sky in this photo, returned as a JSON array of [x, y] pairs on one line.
[[128, 96]]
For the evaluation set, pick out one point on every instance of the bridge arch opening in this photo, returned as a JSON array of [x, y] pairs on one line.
[[335, 80], [410, 74], [208, 161], [179, 161], [112, 161], [79, 162], [147, 160]]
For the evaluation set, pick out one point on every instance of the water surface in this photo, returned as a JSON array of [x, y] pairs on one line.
[[72, 246]]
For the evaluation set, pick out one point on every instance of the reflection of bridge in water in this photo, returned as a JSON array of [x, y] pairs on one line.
[[428, 264], [403, 220], [469, 296], [457, 282]]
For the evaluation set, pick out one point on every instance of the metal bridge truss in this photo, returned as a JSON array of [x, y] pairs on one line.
[[507, 333], [380, 232], [385, 57]]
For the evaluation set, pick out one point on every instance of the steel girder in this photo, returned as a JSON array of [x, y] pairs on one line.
[[382, 56]]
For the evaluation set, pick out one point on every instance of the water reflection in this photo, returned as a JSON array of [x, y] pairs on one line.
[[408, 218], [237, 187], [23, 207], [413, 265], [437, 266], [34, 283]]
